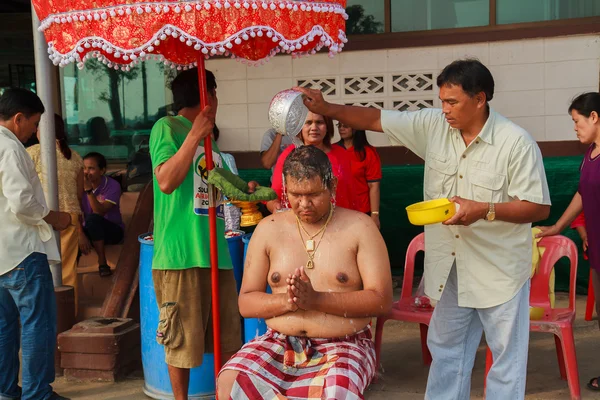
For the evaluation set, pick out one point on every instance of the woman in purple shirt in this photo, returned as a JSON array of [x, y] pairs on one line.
[[102, 216], [585, 111]]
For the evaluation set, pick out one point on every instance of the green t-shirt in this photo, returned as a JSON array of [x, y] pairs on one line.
[[181, 232]]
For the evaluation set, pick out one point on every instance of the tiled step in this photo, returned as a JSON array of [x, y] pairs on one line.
[[89, 262], [91, 285], [88, 309]]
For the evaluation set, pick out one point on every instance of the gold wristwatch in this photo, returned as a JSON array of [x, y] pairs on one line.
[[491, 214]]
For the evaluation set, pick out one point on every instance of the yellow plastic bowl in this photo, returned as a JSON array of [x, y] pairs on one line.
[[536, 313], [430, 211]]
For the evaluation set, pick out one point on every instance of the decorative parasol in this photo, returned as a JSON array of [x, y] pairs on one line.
[[182, 34]]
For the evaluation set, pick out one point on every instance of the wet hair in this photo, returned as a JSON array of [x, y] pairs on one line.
[[360, 142], [186, 92], [15, 100], [61, 136], [586, 103], [100, 160], [306, 162], [329, 132], [471, 75]]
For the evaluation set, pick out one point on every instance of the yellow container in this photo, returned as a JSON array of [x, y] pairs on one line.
[[431, 212], [536, 313], [250, 214]]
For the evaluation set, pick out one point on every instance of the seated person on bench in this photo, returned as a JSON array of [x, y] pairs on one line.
[[329, 272], [102, 223]]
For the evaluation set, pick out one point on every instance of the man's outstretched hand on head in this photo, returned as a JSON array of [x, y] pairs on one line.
[[313, 100]]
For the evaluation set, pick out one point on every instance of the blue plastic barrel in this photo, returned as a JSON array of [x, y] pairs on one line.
[[238, 255], [253, 327], [156, 375], [246, 240]]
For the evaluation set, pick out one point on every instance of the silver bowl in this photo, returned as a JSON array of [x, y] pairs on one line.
[[287, 112]]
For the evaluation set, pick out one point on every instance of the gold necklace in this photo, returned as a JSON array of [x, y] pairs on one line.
[[309, 246], [311, 237]]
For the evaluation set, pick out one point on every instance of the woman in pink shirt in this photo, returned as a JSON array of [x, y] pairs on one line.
[[585, 111]]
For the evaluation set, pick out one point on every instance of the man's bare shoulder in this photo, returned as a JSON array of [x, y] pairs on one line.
[[357, 226], [274, 224], [354, 218]]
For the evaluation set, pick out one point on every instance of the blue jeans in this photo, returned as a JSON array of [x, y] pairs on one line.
[[27, 293], [455, 334]]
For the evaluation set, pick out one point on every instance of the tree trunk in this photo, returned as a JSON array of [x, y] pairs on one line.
[[145, 92], [114, 102]]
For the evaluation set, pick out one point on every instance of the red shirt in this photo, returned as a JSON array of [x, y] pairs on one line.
[[579, 221], [364, 172], [342, 170]]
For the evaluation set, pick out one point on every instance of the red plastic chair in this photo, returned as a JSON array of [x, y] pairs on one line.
[[591, 299], [404, 309], [558, 321]]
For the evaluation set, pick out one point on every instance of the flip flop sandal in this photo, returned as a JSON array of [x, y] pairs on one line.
[[104, 271], [591, 386]]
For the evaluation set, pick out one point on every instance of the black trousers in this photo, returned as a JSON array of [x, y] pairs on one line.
[[99, 228]]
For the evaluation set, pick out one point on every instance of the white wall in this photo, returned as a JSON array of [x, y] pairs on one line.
[[535, 81]]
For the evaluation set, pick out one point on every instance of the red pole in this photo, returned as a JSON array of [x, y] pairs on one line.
[[212, 221]]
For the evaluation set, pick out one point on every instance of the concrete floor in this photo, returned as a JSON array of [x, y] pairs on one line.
[[405, 376]]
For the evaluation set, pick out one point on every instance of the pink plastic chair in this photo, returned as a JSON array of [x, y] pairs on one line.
[[558, 321], [404, 309]]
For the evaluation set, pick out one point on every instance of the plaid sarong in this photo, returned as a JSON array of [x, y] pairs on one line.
[[277, 366]]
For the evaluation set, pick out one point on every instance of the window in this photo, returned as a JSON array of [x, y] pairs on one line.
[[365, 17], [112, 112], [405, 23], [425, 15], [21, 76], [16, 50], [515, 11]]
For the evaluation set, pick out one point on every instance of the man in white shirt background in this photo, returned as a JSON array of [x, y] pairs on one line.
[[27, 302], [272, 145], [477, 264]]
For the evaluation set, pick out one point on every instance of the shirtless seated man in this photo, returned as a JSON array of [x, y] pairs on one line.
[[329, 272]]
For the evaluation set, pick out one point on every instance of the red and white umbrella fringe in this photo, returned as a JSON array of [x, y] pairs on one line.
[[121, 32], [123, 59], [164, 7]]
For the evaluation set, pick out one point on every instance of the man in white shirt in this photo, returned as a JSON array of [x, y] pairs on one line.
[[272, 146], [26, 289], [477, 264]]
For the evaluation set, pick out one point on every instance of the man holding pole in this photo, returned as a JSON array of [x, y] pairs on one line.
[[181, 263]]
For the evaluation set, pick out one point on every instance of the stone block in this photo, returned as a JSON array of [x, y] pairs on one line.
[[100, 349]]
